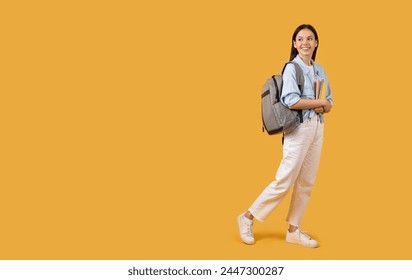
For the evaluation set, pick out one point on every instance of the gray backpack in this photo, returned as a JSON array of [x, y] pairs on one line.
[[276, 117]]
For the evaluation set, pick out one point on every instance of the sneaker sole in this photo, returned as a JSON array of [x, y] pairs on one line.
[[298, 243]]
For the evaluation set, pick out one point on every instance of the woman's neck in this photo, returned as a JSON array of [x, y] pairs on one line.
[[306, 59]]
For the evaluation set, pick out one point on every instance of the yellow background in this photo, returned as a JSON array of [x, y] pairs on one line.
[[132, 129]]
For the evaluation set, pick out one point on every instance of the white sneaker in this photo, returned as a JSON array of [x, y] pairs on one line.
[[301, 238], [246, 229]]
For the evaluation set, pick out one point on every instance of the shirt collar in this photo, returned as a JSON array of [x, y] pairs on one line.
[[304, 67]]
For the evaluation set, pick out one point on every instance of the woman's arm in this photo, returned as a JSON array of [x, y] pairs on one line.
[[304, 104]]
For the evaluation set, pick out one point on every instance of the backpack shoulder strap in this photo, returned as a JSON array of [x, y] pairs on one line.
[[300, 80]]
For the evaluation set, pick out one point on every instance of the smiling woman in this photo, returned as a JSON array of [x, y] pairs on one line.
[[302, 147], [305, 42]]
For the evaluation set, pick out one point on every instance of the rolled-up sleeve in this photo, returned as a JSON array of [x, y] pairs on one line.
[[328, 91], [290, 91]]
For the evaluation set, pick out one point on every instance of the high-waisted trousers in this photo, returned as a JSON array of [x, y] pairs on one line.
[[301, 155]]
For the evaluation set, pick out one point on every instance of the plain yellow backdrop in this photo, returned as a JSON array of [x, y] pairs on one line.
[[132, 129]]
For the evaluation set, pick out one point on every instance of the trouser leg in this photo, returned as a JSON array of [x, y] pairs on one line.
[[306, 179], [294, 151]]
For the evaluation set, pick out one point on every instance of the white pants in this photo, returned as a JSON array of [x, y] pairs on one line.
[[301, 155]]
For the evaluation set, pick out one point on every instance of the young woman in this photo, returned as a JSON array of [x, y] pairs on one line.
[[302, 147]]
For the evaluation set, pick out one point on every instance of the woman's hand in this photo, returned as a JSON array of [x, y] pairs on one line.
[[319, 110], [327, 106]]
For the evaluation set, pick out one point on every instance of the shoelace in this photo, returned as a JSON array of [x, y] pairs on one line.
[[304, 234], [249, 229]]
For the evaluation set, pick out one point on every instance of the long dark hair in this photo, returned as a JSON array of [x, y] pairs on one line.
[[293, 51]]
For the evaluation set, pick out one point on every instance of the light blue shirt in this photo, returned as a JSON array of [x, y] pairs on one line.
[[291, 93]]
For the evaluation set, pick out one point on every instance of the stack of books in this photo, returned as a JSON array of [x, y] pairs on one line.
[[320, 89]]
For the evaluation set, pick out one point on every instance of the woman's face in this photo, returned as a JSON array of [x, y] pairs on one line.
[[305, 43]]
